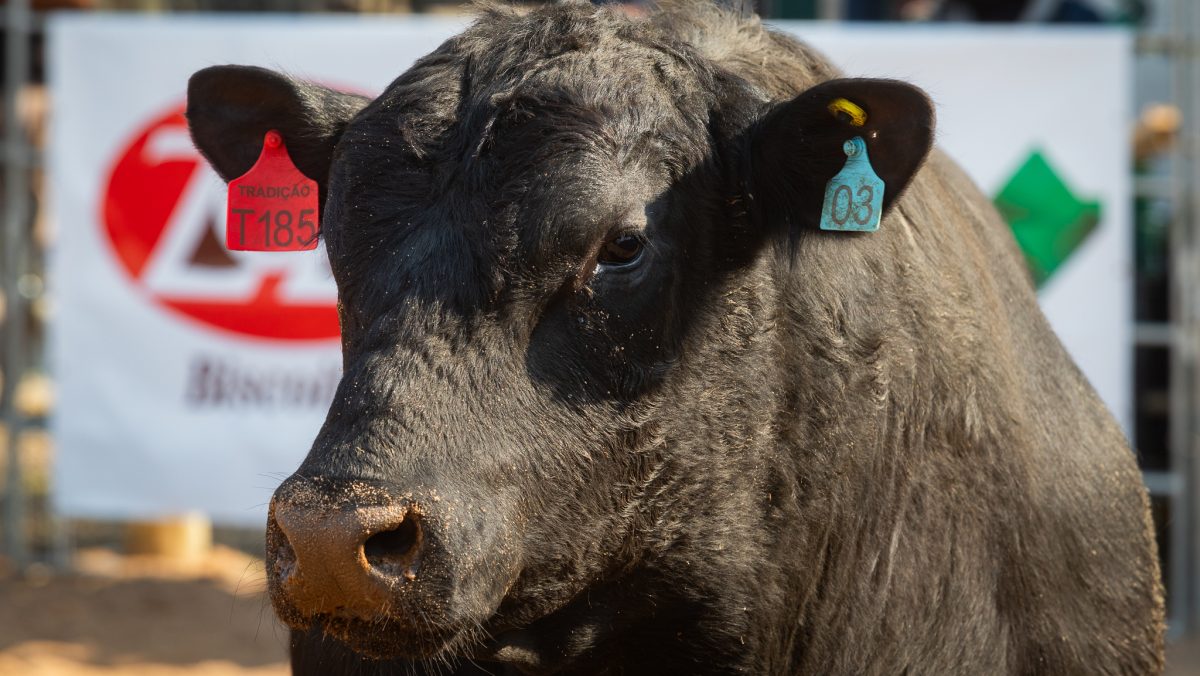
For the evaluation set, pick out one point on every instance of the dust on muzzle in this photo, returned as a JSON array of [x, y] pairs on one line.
[[364, 559]]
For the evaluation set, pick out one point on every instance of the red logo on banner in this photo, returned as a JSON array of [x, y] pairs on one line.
[[164, 213]]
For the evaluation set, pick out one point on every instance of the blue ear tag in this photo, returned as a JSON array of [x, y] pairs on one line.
[[854, 197]]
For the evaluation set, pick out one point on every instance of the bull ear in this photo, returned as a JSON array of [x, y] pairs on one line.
[[797, 146], [231, 108]]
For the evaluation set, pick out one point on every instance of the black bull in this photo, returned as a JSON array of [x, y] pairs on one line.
[[613, 403]]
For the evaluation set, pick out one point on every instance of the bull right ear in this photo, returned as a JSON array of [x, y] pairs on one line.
[[231, 108], [796, 147]]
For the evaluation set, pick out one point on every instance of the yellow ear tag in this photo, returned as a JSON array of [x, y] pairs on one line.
[[848, 110]]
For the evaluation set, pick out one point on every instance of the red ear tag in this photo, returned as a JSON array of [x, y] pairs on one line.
[[272, 207]]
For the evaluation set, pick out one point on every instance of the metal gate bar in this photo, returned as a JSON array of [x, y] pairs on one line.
[[1184, 325], [17, 28]]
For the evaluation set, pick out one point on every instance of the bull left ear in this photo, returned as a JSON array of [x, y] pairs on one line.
[[231, 108], [796, 148]]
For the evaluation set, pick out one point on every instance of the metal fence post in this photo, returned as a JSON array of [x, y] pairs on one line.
[[17, 25]]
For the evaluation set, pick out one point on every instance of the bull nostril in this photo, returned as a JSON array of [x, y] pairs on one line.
[[392, 552]]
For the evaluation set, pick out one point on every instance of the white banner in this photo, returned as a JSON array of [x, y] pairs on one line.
[[190, 377]]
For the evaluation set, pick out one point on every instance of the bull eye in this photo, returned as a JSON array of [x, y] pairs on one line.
[[624, 249]]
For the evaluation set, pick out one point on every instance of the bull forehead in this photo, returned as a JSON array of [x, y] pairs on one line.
[[484, 156], [527, 209], [566, 66]]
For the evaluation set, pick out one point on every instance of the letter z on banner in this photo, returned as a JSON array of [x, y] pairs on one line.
[[191, 374], [190, 377]]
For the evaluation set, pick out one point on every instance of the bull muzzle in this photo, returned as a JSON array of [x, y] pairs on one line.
[[345, 560], [347, 549], [365, 559]]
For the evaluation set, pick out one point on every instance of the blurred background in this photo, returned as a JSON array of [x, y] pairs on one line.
[[154, 387]]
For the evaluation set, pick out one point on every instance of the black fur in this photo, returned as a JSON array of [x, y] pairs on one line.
[[762, 449]]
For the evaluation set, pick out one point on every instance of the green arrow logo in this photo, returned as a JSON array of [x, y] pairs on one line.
[[1049, 222]]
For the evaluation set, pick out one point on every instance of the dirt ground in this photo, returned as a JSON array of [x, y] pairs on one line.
[[1183, 658], [127, 615]]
